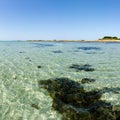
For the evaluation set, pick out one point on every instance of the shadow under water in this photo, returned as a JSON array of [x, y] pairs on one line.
[[74, 103]]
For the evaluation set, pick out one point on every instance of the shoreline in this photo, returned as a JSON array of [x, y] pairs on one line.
[[102, 41], [72, 40]]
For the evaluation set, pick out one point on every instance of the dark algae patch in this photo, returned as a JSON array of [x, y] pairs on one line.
[[90, 52], [118, 118], [85, 67], [87, 80], [39, 66], [28, 58], [57, 51], [35, 106], [22, 52], [41, 45], [74, 103], [89, 48]]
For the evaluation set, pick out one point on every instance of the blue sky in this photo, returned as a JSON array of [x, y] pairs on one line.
[[59, 19]]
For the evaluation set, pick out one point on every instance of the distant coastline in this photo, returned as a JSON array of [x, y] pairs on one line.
[[104, 39], [100, 40]]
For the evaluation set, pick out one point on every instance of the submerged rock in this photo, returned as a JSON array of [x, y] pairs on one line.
[[85, 67], [87, 80], [74, 103]]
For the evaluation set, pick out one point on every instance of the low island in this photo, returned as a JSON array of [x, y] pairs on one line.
[[104, 39], [109, 39]]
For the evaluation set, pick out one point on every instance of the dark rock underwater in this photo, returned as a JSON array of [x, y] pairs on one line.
[[74, 103]]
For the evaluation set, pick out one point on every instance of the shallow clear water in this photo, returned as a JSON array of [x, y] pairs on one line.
[[19, 74]]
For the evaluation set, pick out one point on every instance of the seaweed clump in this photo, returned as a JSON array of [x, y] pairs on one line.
[[74, 103], [85, 67]]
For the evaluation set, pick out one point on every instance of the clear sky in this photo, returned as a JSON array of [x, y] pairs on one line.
[[59, 19]]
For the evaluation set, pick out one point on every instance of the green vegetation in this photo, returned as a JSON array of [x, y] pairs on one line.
[[110, 38]]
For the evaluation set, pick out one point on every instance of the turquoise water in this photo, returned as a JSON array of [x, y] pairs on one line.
[[20, 73]]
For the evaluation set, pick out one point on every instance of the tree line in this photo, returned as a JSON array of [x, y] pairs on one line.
[[110, 37]]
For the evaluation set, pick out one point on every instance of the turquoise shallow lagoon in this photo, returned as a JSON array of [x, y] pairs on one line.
[[23, 64]]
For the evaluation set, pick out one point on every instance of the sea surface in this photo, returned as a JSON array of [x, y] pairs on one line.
[[23, 64]]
